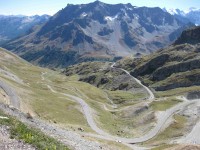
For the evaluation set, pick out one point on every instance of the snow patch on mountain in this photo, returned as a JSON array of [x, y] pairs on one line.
[[173, 11], [109, 18], [84, 14], [28, 20]]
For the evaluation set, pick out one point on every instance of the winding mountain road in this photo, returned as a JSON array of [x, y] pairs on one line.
[[14, 100], [87, 111], [193, 137], [160, 123], [11, 76], [151, 95]]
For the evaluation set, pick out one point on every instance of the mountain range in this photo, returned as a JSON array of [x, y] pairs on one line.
[[191, 15], [98, 31], [12, 27]]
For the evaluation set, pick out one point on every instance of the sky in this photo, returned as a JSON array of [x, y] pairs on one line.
[[39, 7]]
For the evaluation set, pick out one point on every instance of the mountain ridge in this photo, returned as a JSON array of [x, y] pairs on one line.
[[190, 15], [15, 26]]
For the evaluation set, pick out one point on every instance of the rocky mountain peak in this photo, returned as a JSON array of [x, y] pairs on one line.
[[98, 3]]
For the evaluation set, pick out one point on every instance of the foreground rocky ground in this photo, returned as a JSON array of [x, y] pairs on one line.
[[6, 143], [67, 137]]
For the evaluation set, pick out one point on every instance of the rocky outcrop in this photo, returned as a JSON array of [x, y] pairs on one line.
[[166, 71], [180, 81], [151, 65], [101, 75], [191, 36], [193, 95]]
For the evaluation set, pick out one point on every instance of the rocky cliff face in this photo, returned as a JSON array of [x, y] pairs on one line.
[[191, 36], [172, 67], [98, 31]]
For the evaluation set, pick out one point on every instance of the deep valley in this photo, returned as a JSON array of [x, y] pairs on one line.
[[100, 76]]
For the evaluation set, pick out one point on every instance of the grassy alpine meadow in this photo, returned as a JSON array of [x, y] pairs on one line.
[[177, 91], [163, 105]]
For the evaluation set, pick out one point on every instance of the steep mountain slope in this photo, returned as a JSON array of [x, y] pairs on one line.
[[98, 31], [173, 67], [12, 27]]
